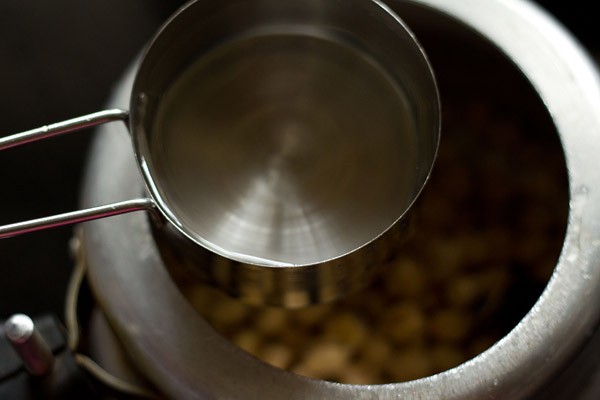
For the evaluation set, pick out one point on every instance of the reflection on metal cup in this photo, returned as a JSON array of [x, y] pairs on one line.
[[286, 137], [291, 146]]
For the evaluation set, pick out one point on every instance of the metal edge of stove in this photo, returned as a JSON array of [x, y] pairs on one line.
[[126, 270]]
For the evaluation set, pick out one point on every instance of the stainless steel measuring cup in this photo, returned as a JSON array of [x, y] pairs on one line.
[[285, 136]]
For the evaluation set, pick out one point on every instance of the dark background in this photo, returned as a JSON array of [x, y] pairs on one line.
[[60, 59]]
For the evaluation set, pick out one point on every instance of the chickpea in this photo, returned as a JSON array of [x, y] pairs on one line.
[[436, 298], [404, 323], [325, 359], [248, 340], [347, 329], [271, 321], [405, 278], [276, 354], [450, 325], [444, 357], [413, 363]]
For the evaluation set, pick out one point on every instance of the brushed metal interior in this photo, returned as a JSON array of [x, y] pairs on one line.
[[293, 136], [185, 358], [284, 136]]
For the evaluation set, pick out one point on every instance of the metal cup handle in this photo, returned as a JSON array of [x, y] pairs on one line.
[[59, 128]]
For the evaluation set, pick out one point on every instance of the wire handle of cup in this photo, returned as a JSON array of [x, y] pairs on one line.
[[73, 217]]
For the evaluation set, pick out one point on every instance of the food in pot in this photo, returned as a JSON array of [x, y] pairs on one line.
[[484, 239]]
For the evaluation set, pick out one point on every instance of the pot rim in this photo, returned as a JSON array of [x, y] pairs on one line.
[[560, 322]]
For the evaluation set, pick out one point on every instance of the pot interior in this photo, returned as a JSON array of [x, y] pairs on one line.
[[485, 238]]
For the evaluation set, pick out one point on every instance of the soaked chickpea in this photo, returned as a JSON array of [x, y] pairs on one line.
[[277, 354], [271, 321], [403, 323], [248, 339], [359, 374], [405, 278], [325, 359], [375, 350], [443, 357], [449, 325], [485, 236], [347, 329], [411, 363]]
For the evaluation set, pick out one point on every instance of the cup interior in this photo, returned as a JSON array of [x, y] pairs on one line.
[[284, 133]]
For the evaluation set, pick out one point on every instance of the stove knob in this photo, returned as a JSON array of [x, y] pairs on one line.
[[33, 350]]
